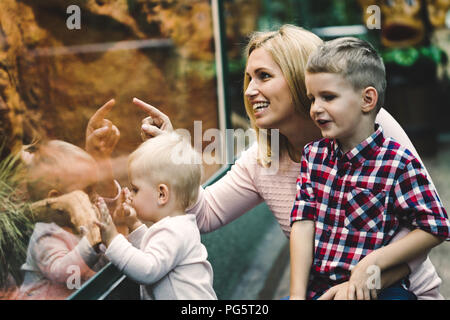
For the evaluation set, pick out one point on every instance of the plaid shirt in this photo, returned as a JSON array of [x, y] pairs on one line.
[[358, 201]]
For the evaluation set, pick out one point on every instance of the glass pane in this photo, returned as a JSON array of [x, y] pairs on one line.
[[58, 64]]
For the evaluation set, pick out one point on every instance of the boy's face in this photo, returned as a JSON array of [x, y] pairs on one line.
[[336, 107], [145, 200]]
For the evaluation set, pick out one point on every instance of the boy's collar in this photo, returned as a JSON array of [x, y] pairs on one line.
[[362, 151]]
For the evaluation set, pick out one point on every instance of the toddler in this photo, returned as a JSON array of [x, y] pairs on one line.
[[167, 259]]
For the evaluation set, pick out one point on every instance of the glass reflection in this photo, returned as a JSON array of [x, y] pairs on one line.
[[54, 75]]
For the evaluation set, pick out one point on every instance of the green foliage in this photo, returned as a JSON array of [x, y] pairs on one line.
[[15, 221], [407, 57], [309, 14]]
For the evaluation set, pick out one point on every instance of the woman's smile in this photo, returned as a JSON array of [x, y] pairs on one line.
[[259, 108], [268, 91]]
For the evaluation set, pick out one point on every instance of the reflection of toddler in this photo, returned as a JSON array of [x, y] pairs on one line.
[[58, 261], [167, 258]]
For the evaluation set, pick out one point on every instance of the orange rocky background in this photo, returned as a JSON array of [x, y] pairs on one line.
[[52, 79]]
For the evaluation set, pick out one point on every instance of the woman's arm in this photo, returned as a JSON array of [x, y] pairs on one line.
[[230, 197], [225, 200], [417, 242], [388, 278], [393, 129]]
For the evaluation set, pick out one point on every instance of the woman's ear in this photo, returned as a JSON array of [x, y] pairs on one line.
[[370, 99], [53, 193], [163, 194]]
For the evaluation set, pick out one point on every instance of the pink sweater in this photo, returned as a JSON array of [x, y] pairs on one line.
[[167, 259], [247, 184]]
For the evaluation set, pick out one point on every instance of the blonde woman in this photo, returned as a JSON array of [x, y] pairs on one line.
[[275, 98]]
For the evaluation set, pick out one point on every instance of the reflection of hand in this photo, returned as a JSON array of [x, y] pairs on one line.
[[101, 134], [106, 224], [155, 124], [72, 209]]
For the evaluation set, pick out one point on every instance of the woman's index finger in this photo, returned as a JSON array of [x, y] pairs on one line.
[[147, 108]]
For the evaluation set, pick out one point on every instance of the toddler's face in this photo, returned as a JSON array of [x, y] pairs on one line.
[[84, 178], [145, 200], [63, 172], [335, 104]]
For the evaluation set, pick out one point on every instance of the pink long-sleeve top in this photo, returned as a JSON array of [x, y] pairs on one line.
[[167, 259], [248, 184]]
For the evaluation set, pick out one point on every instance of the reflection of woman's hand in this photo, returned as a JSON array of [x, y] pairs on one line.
[[155, 124], [101, 134]]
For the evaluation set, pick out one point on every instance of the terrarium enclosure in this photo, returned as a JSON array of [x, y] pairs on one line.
[[61, 60]]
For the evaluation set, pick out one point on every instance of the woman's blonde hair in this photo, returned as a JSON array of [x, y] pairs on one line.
[[289, 47], [170, 159]]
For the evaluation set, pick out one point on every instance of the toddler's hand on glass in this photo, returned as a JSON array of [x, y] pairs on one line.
[[107, 228], [125, 213]]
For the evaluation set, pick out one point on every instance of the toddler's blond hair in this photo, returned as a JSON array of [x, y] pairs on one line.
[[170, 159], [56, 164]]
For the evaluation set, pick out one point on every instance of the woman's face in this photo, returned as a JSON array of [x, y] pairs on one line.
[[268, 92]]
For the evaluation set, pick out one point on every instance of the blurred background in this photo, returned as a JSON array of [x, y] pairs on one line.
[[53, 77]]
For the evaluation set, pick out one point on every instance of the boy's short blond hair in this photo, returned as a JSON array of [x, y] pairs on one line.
[[170, 159], [354, 59]]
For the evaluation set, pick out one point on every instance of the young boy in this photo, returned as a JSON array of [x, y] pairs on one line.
[[167, 258], [356, 187]]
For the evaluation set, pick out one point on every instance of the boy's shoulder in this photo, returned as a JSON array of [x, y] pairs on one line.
[[320, 145], [391, 150]]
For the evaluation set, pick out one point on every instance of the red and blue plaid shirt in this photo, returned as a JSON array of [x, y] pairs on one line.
[[358, 201]]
